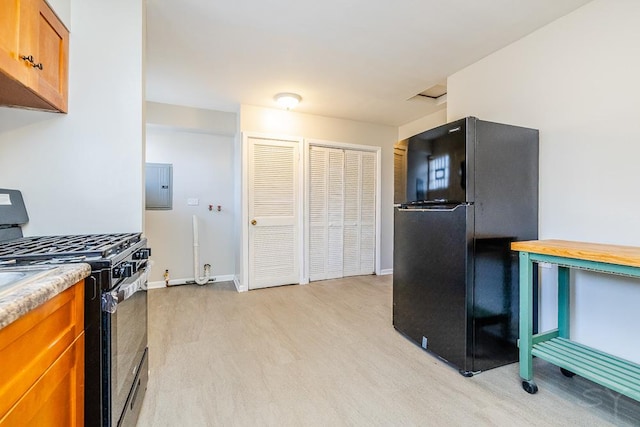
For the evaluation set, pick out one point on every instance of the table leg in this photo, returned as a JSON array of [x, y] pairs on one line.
[[526, 316], [563, 302]]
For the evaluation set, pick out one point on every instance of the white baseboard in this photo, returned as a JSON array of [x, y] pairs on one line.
[[175, 282], [236, 282], [386, 271]]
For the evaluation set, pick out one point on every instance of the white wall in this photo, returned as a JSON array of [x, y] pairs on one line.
[[191, 119], [280, 122], [199, 145], [238, 236], [62, 8], [82, 172], [425, 123], [577, 81]]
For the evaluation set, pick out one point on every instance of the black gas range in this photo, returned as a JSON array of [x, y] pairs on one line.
[[116, 361], [103, 249]]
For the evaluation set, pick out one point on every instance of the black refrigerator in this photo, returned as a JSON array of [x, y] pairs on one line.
[[470, 189]]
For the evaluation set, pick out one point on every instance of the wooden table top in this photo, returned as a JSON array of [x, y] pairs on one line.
[[612, 254]]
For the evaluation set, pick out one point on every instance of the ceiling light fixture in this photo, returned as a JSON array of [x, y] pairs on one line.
[[288, 100]]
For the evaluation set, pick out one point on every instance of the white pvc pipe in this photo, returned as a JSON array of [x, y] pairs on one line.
[[196, 257]]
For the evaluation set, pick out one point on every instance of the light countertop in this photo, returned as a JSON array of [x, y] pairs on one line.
[[598, 252], [35, 291]]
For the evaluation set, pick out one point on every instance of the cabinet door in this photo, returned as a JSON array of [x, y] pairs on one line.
[[31, 344], [57, 398], [30, 29], [13, 43], [52, 47]]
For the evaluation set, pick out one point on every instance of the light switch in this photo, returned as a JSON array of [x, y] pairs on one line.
[[193, 202]]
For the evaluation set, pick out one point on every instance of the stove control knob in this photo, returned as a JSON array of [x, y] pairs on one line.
[[142, 254], [123, 270]]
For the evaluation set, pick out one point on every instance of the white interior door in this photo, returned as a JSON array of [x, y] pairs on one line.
[[273, 208], [400, 172], [367, 213], [342, 212], [359, 213], [326, 206]]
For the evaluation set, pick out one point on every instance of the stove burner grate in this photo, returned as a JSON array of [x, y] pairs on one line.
[[87, 245]]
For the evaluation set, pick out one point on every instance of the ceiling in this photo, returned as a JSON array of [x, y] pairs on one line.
[[362, 60]]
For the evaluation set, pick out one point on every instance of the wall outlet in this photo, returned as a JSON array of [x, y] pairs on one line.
[[193, 202]]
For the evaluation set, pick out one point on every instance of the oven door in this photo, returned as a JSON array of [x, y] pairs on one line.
[[125, 332]]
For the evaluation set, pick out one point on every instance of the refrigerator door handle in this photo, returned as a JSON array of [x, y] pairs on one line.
[[434, 209]]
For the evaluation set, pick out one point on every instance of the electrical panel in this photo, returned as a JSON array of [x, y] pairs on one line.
[[159, 186]]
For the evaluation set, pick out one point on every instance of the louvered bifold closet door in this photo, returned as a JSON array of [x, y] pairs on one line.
[[273, 213], [368, 213], [399, 173], [326, 204], [318, 225], [359, 213]]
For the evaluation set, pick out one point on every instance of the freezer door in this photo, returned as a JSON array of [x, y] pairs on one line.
[[431, 268], [436, 165]]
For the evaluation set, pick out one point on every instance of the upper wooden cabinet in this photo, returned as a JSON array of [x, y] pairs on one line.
[[34, 56]]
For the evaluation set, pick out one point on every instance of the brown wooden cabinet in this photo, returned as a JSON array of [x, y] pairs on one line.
[[34, 56], [42, 373]]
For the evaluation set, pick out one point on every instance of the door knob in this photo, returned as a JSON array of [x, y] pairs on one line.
[[254, 222]]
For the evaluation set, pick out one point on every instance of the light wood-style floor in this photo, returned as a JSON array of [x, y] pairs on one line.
[[326, 354]]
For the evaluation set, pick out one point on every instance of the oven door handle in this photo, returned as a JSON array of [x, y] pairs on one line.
[[110, 300]]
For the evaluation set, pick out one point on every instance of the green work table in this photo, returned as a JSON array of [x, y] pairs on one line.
[[555, 346]]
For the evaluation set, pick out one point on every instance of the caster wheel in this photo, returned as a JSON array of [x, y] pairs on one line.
[[567, 373], [530, 387]]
